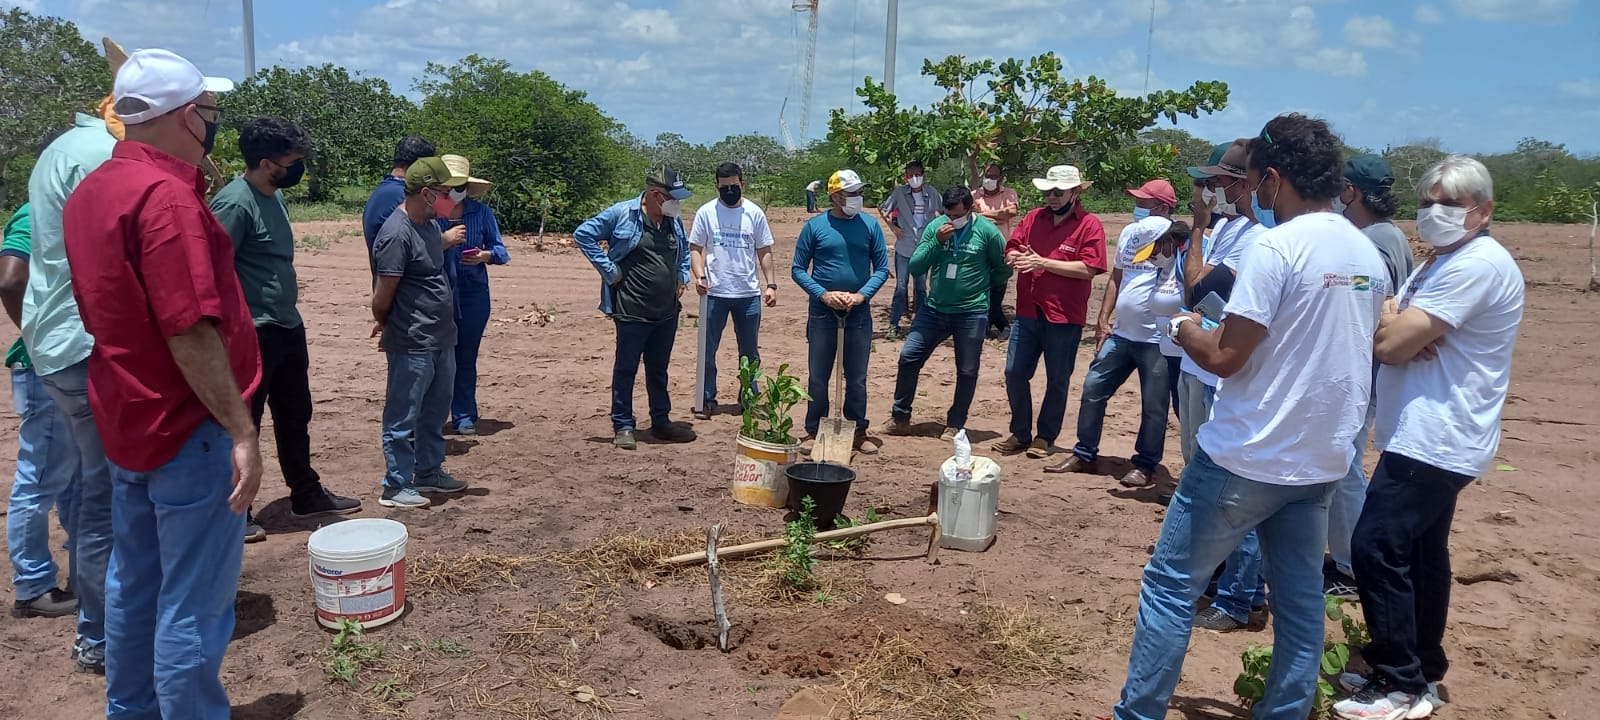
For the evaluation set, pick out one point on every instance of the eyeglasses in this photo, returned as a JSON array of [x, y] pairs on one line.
[[212, 108], [1055, 193]]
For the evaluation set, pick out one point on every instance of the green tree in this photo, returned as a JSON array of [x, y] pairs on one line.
[[353, 121], [1025, 114], [530, 135], [47, 72], [1189, 151]]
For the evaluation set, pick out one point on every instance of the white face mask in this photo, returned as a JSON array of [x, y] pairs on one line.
[[916, 182], [1163, 262], [1338, 205], [990, 184], [672, 208], [960, 222], [852, 205], [1208, 197], [1442, 225]]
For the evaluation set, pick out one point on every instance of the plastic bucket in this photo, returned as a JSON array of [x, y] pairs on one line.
[[358, 571], [827, 484], [758, 472]]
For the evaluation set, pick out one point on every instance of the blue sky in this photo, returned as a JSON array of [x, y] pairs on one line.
[[1476, 74]]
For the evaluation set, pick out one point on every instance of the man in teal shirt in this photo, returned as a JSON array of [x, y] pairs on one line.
[[964, 255], [59, 348], [47, 465], [251, 208]]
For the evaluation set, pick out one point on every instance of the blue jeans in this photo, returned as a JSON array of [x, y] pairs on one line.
[[91, 515], [822, 340], [746, 314], [1058, 344], [474, 311], [928, 330], [904, 283], [414, 412], [1117, 360], [1344, 511], [651, 342], [47, 473], [1241, 586], [174, 575], [1210, 515]]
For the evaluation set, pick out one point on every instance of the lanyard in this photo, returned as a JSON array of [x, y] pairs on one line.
[[960, 238]]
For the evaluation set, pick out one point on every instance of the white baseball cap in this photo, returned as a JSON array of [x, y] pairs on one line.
[[164, 81]]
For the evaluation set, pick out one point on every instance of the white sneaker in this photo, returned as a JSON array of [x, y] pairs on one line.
[[1373, 703], [1430, 700]]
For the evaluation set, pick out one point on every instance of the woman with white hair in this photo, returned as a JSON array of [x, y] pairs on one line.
[[1445, 341]]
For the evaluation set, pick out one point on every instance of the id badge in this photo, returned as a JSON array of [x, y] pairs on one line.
[[950, 271]]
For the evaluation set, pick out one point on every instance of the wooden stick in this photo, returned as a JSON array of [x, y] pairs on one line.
[[714, 568], [774, 544]]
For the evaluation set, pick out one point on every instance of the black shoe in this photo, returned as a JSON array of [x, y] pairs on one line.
[[90, 659], [54, 603], [1339, 585], [672, 432], [1216, 620], [325, 503]]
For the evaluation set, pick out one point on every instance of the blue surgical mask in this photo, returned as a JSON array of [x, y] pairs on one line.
[[1263, 215], [1140, 213]]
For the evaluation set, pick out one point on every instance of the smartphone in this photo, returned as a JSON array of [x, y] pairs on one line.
[[469, 252], [1210, 308]]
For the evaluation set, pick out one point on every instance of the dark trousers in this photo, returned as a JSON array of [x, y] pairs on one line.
[[1057, 343], [928, 329], [651, 341], [1401, 557], [474, 319], [1174, 371], [997, 306], [286, 388], [811, 201]]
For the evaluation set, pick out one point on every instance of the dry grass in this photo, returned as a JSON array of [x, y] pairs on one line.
[[896, 680], [1026, 651], [466, 574]]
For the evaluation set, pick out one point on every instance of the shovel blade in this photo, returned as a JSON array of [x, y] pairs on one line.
[[835, 440]]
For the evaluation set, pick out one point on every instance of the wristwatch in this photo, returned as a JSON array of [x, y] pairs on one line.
[[1175, 322]]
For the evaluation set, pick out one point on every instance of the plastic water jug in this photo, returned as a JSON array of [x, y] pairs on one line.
[[969, 499]]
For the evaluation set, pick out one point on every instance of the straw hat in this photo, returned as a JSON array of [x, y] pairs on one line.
[[461, 167], [1061, 177]]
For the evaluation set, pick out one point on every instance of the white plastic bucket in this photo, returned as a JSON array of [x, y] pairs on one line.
[[358, 571], [758, 477], [969, 507]]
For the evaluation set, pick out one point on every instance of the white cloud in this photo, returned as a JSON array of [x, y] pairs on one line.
[[1586, 89], [30, 6], [1371, 31], [1257, 31], [1337, 62], [1428, 14], [1516, 10]]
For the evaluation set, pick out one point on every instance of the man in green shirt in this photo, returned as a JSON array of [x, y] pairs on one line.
[[251, 208], [47, 462], [963, 254]]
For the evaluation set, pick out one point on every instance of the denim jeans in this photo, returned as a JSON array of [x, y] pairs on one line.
[[822, 340], [930, 328], [1402, 563], [474, 311], [1241, 586], [652, 342], [47, 474], [174, 575], [414, 412], [286, 388], [1174, 371], [1117, 360], [746, 314], [1210, 514], [904, 283], [1058, 344], [91, 514], [1348, 497]]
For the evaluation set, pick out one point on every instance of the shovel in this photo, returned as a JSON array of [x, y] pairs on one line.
[[835, 438]]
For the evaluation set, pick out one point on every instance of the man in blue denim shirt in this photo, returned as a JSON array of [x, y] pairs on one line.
[[391, 191], [643, 270]]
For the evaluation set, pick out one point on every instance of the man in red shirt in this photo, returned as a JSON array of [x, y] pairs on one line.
[[174, 364], [1056, 250]]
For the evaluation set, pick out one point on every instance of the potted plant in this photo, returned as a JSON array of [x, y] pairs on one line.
[[766, 434]]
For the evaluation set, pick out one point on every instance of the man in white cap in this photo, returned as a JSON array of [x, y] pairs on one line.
[[175, 363]]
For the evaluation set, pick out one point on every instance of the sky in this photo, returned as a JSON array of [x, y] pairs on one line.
[[1476, 74]]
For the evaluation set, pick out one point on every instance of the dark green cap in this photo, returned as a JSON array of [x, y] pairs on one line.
[[430, 171], [1369, 173], [1216, 157]]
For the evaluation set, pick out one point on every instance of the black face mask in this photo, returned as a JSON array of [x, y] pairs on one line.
[[1064, 209], [730, 194], [292, 174], [210, 141]]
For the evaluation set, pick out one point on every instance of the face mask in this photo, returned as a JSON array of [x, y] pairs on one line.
[[852, 205], [672, 208], [292, 174], [960, 222], [1224, 207], [1208, 197], [916, 182], [730, 194], [209, 143], [1064, 209], [1265, 216], [1140, 213], [443, 205], [1442, 225], [990, 184], [1163, 262]]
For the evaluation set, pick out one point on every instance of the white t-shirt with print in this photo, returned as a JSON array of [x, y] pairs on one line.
[[1165, 301], [1133, 318], [1446, 411], [1291, 414], [731, 236]]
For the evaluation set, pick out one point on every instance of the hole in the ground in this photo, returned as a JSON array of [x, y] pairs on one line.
[[682, 634]]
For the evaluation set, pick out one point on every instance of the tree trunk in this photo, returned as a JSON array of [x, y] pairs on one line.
[[1594, 223]]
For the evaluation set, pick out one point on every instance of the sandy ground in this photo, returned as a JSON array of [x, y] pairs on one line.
[[545, 478]]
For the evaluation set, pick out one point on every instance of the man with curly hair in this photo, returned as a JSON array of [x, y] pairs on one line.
[[1295, 345]]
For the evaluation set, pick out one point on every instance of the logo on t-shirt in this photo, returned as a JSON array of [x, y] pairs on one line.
[[1361, 283]]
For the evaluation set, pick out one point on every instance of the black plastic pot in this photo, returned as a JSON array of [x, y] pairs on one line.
[[827, 484]]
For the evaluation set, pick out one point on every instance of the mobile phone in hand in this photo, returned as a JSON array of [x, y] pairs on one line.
[[1210, 308], [471, 251]]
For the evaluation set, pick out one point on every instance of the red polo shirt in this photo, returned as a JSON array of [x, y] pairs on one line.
[[149, 261], [1080, 237]]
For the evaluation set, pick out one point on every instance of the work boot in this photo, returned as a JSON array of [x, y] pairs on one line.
[[1009, 446], [672, 432], [1136, 478], [897, 427], [54, 603], [624, 440], [864, 443], [1073, 464]]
